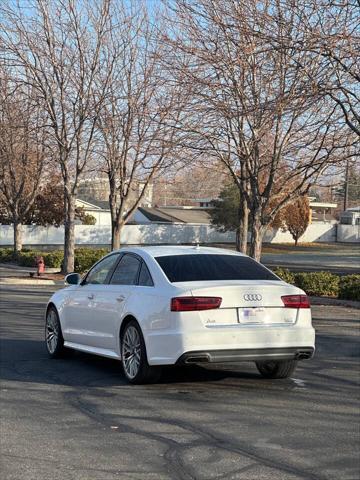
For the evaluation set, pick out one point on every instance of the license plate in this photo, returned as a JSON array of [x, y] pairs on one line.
[[252, 315]]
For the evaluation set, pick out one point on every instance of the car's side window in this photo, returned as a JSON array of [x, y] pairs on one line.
[[145, 279], [100, 272], [126, 271]]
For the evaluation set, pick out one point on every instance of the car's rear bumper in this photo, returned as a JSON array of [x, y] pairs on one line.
[[229, 343], [246, 355]]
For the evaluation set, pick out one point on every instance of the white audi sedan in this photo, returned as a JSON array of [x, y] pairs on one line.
[[157, 306]]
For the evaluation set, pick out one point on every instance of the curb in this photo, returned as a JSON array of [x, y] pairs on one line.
[[29, 281], [328, 301], [19, 268]]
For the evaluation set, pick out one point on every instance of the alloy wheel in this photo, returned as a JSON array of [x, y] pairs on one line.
[[52, 331], [131, 352]]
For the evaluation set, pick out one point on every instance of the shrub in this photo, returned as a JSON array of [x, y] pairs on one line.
[[88, 219], [318, 283], [53, 259], [349, 287], [285, 275], [27, 259], [6, 255], [86, 257]]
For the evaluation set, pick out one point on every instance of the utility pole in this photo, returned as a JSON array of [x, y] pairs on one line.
[[346, 185]]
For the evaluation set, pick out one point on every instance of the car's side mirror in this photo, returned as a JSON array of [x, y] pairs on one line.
[[73, 279]]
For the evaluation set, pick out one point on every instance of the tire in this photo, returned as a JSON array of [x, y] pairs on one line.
[[54, 340], [277, 369], [134, 358]]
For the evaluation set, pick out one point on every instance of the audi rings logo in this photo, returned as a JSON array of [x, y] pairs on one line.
[[252, 297]]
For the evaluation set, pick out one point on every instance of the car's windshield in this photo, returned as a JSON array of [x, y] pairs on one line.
[[204, 267]]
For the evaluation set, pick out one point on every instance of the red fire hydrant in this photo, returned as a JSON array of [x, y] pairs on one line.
[[40, 264]]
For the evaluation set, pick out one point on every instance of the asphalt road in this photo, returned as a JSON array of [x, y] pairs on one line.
[[316, 261], [76, 418], [338, 258]]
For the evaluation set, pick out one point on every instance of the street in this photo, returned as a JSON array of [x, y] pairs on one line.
[[77, 418], [337, 258]]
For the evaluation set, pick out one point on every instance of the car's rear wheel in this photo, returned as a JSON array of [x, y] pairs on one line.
[[53, 335], [134, 358], [277, 369]]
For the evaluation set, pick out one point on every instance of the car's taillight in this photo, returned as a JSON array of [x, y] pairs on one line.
[[296, 301], [188, 304]]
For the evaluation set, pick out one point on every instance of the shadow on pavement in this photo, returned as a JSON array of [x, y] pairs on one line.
[[27, 361]]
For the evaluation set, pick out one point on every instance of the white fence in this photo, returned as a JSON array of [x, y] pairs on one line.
[[169, 234], [131, 234], [348, 233], [316, 232]]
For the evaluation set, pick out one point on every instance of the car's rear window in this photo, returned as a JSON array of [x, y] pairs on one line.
[[198, 267]]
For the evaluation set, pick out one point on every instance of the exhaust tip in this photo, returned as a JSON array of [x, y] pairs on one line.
[[303, 355], [197, 359]]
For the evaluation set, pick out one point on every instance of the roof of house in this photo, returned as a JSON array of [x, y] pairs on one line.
[[316, 204], [188, 215], [155, 215], [95, 204], [176, 214]]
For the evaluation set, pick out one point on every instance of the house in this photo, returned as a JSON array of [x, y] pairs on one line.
[[351, 216], [322, 211], [100, 210], [319, 211]]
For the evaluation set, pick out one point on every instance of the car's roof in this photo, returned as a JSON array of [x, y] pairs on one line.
[[160, 251]]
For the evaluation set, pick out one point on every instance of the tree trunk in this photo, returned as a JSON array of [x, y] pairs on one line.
[[296, 241], [116, 211], [242, 230], [257, 234], [17, 237], [69, 239], [116, 228], [238, 239]]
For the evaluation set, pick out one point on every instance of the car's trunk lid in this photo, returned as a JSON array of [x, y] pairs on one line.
[[247, 302]]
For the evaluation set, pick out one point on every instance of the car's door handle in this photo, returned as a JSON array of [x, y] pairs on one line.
[[90, 296], [121, 298]]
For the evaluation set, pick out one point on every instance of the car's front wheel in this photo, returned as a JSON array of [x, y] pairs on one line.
[[53, 335], [134, 358], [277, 369]]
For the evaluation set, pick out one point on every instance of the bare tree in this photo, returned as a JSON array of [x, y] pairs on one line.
[[195, 182], [330, 33], [138, 118], [58, 48], [23, 153], [254, 106]]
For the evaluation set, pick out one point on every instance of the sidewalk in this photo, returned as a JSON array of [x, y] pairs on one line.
[[11, 274]]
